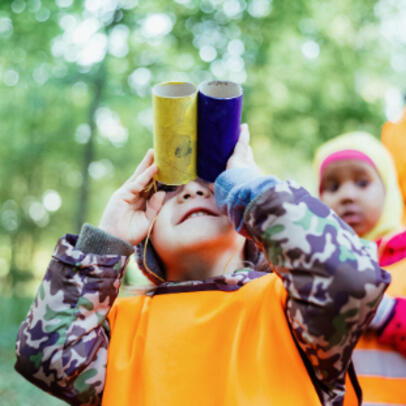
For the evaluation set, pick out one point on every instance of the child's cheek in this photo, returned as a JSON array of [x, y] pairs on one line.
[[328, 199]]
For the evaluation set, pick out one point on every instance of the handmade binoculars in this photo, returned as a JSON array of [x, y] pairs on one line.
[[195, 130]]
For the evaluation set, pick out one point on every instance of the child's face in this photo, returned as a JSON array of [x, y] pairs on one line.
[[354, 190], [190, 220]]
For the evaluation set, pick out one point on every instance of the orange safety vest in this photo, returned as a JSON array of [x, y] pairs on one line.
[[381, 371], [206, 348]]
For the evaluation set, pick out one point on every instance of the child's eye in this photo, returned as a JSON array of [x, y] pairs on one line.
[[332, 187], [362, 183]]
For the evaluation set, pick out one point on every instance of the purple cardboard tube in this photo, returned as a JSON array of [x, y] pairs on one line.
[[219, 116]]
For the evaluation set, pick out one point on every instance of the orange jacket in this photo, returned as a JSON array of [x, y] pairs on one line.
[[206, 348], [394, 138]]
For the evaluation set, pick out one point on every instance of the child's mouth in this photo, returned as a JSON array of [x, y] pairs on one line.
[[351, 218], [196, 214]]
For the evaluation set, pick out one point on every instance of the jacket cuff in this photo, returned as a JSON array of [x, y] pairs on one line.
[[93, 240], [236, 188], [384, 313]]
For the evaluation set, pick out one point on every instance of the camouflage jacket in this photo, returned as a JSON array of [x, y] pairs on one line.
[[333, 282]]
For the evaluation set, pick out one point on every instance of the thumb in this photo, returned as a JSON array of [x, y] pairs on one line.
[[154, 204], [240, 149], [244, 133]]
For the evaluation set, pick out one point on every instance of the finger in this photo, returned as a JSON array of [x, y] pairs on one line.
[[154, 204], [243, 142], [145, 163], [142, 181], [139, 184], [129, 198], [244, 133]]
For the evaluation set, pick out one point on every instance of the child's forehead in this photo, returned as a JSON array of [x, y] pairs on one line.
[[348, 167]]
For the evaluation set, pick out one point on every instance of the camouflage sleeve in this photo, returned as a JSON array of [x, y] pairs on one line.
[[334, 284], [62, 343]]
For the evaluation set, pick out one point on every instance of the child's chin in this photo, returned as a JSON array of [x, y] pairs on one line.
[[205, 235], [204, 226], [202, 239], [359, 229]]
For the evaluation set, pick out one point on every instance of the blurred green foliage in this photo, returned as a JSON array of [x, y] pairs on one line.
[[75, 104]]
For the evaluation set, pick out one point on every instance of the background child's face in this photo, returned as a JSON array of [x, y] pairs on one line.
[[190, 220], [354, 190]]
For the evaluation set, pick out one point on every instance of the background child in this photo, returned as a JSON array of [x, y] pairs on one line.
[[214, 330], [358, 180]]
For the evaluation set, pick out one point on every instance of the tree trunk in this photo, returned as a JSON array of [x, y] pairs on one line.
[[98, 84], [88, 151]]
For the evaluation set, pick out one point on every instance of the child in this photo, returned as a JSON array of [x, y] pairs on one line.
[[215, 331], [357, 180]]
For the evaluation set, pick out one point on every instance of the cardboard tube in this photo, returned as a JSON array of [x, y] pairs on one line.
[[219, 117], [175, 131]]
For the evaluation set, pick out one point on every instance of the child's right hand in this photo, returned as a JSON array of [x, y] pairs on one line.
[[129, 213]]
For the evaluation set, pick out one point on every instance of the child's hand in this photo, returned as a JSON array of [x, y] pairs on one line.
[[127, 214], [242, 157]]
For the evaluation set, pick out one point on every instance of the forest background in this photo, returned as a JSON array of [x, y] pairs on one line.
[[76, 110]]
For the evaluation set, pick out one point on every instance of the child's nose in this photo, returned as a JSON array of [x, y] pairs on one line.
[[348, 192], [194, 189]]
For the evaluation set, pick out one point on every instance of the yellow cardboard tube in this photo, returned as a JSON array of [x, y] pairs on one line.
[[175, 131]]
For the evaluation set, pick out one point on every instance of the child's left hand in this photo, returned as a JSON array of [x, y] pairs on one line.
[[242, 157]]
